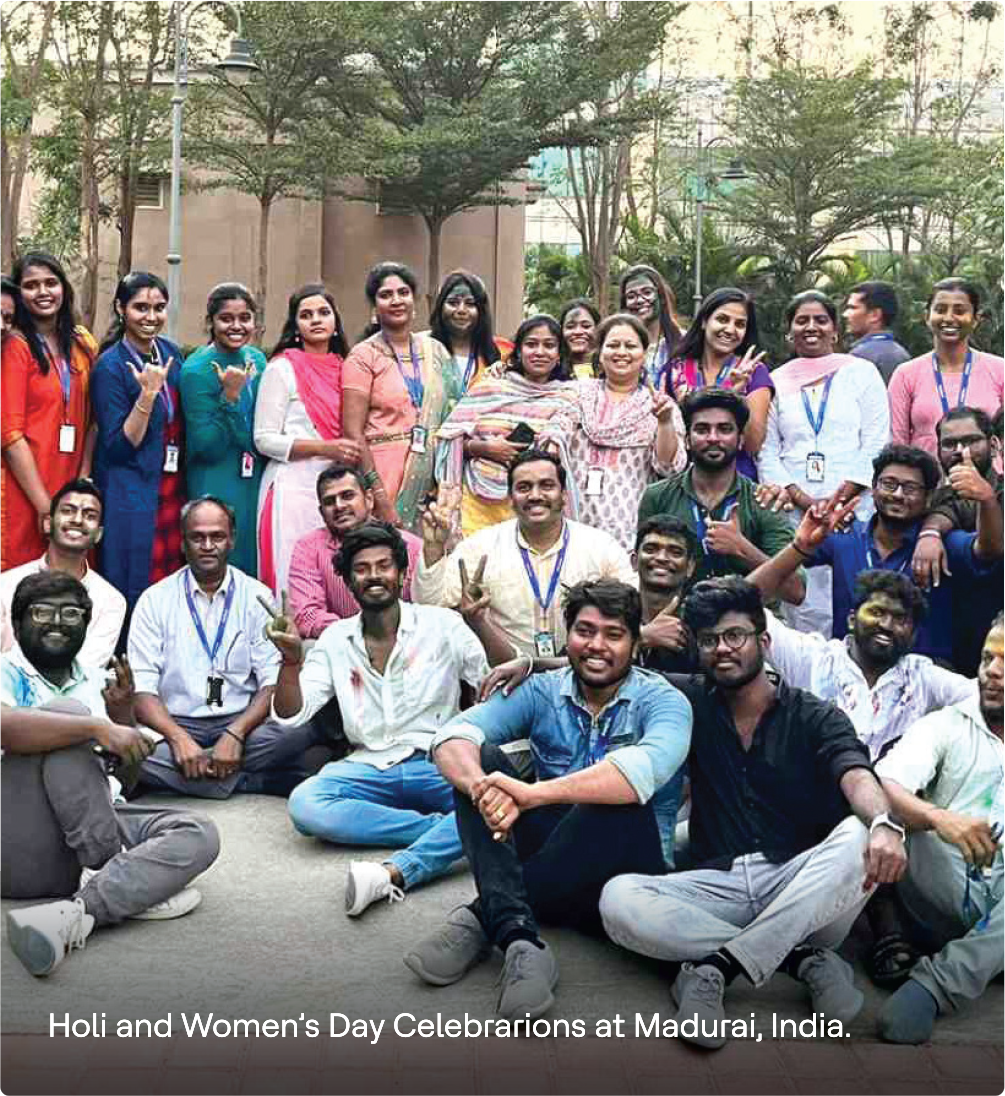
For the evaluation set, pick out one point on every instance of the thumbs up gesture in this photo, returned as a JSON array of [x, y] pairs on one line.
[[666, 629], [725, 538], [967, 482]]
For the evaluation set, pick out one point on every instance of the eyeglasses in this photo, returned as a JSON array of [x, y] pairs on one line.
[[461, 302], [43, 613], [640, 295], [957, 443], [890, 486], [734, 638]]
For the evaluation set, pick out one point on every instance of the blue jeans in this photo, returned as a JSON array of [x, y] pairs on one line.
[[409, 804]]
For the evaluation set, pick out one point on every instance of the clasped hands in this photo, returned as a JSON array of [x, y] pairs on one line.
[[500, 800]]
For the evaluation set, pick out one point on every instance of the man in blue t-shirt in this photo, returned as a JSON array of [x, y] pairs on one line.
[[869, 313]]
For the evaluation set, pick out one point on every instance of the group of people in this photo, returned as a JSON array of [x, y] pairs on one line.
[[664, 643]]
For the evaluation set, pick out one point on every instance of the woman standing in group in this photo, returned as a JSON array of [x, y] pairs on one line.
[[298, 426], [828, 420], [462, 321], [499, 418], [399, 387], [47, 436], [578, 321], [720, 350], [219, 386], [622, 433], [138, 457], [645, 294], [954, 374], [9, 294]]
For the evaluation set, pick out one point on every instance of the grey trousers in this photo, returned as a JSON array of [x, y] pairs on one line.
[[932, 894], [761, 910], [57, 817], [273, 759]]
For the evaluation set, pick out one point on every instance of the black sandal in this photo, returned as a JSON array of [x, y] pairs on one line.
[[891, 960]]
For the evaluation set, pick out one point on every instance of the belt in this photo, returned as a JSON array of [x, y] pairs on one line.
[[387, 439]]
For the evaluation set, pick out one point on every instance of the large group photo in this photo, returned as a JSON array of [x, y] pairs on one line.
[[502, 547]]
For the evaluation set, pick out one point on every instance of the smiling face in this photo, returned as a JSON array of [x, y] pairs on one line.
[[962, 434], [54, 643], [144, 315], [76, 525], [539, 353], [989, 677], [713, 439], [600, 648], [726, 328], [812, 332], [208, 541], [899, 494], [642, 299], [233, 326], [951, 318], [315, 322], [460, 310], [344, 505], [538, 499], [578, 330], [663, 563], [732, 653], [395, 303], [375, 581], [883, 630], [622, 357], [41, 292]]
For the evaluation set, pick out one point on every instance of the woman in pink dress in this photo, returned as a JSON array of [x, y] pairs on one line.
[[954, 374]]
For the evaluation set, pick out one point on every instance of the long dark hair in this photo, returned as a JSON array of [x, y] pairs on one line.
[[289, 337], [693, 343], [127, 288], [570, 306], [670, 324], [376, 277], [227, 291], [24, 321], [562, 370], [481, 337]]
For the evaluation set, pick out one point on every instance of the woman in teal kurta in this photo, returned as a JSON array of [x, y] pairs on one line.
[[219, 385]]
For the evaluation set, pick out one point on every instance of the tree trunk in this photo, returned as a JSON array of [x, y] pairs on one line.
[[89, 215], [127, 217], [435, 227], [262, 286]]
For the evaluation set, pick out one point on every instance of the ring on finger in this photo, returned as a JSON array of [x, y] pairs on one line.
[[500, 814]]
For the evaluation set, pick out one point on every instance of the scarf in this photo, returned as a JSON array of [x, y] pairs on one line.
[[319, 385], [800, 373]]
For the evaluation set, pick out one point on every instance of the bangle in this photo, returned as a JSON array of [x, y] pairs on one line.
[[235, 737], [142, 410], [802, 552], [929, 533]]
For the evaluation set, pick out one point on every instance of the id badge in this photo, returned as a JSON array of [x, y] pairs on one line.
[[816, 467], [544, 644], [67, 437], [419, 434], [214, 691], [170, 458], [595, 482], [247, 465]]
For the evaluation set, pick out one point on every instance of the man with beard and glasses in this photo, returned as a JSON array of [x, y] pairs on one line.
[[903, 479], [62, 836], [944, 778], [318, 596], [605, 738], [782, 868], [205, 673], [735, 534], [399, 672]]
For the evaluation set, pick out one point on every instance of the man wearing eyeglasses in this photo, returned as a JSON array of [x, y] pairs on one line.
[[62, 837], [782, 867]]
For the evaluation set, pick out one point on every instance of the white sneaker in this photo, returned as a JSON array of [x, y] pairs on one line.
[[365, 884], [176, 906], [42, 936]]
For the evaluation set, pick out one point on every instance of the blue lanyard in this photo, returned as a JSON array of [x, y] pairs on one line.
[[724, 371], [468, 371], [553, 584], [227, 602], [969, 908], [62, 367], [165, 391], [870, 557], [598, 749], [878, 336], [816, 424], [414, 382], [729, 505], [940, 385]]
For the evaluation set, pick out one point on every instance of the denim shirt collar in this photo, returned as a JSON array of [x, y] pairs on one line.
[[629, 690]]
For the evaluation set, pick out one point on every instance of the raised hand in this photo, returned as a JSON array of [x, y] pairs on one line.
[[474, 597], [820, 520], [120, 693], [967, 482], [282, 632], [725, 537], [666, 629], [663, 405], [233, 379], [152, 378], [438, 524], [740, 372]]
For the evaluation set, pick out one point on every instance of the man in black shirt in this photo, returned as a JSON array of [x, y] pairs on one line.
[[665, 558], [782, 868]]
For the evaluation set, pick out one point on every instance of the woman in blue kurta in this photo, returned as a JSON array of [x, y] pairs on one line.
[[138, 456], [219, 386]]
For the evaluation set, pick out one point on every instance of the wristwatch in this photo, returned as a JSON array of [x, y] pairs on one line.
[[885, 819]]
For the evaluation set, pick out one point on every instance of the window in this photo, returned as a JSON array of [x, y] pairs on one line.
[[149, 191]]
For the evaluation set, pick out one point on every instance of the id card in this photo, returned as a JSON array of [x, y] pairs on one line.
[[816, 467], [595, 482], [214, 691], [67, 437], [544, 644], [247, 465], [419, 434], [170, 458]]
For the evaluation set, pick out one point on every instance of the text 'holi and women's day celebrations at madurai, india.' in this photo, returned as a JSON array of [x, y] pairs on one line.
[[504, 483]]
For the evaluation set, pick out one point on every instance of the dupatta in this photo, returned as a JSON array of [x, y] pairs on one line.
[[800, 373], [319, 385]]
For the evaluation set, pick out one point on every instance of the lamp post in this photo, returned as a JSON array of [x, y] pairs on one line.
[[237, 60], [704, 181]]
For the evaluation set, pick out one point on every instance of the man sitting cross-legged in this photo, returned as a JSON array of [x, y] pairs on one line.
[[398, 671], [605, 737], [61, 835], [782, 869]]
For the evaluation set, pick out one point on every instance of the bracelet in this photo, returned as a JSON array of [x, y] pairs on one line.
[[804, 554], [929, 533], [235, 737], [142, 410]]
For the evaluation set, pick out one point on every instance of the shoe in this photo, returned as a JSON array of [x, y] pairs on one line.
[[42, 936], [832, 985], [176, 906], [365, 884], [529, 975], [909, 1015], [698, 992], [449, 953]]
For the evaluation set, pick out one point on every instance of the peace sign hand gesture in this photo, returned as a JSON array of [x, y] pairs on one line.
[[740, 373], [438, 523], [152, 378], [663, 406], [474, 597], [282, 632], [233, 379]]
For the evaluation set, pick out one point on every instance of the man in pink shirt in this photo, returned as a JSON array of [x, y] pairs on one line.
[[317, 595]]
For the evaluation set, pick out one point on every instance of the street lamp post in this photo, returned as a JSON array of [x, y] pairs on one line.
[[238, 59], [704, 181]]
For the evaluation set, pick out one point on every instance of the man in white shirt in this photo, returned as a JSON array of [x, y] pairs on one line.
[[205, 672], [520, 565], [944, 779], [399, 672], [74, 528]]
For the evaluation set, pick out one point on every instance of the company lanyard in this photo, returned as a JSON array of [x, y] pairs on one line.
[[62, 367], [469, 370], [228, 600], [728, 505], [816, 422], [940, 385], [555, 574], [414, 382]]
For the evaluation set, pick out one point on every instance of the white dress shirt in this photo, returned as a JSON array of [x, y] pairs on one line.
[[911, 688], [592, 554], [389, 716], [169, 660]]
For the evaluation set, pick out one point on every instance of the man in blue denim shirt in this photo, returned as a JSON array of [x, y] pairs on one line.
[[605, 739]]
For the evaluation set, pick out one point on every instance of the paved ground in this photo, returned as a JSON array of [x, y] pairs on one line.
[[271, 941]]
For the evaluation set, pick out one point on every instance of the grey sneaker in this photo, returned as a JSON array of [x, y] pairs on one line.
[[449, 953], [698, 992], [831, 985], [529, 975]]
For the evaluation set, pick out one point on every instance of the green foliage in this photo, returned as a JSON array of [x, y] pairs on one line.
[[551, 277]]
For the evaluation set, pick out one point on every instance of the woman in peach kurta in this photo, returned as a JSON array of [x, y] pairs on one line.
[[46, 418]]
